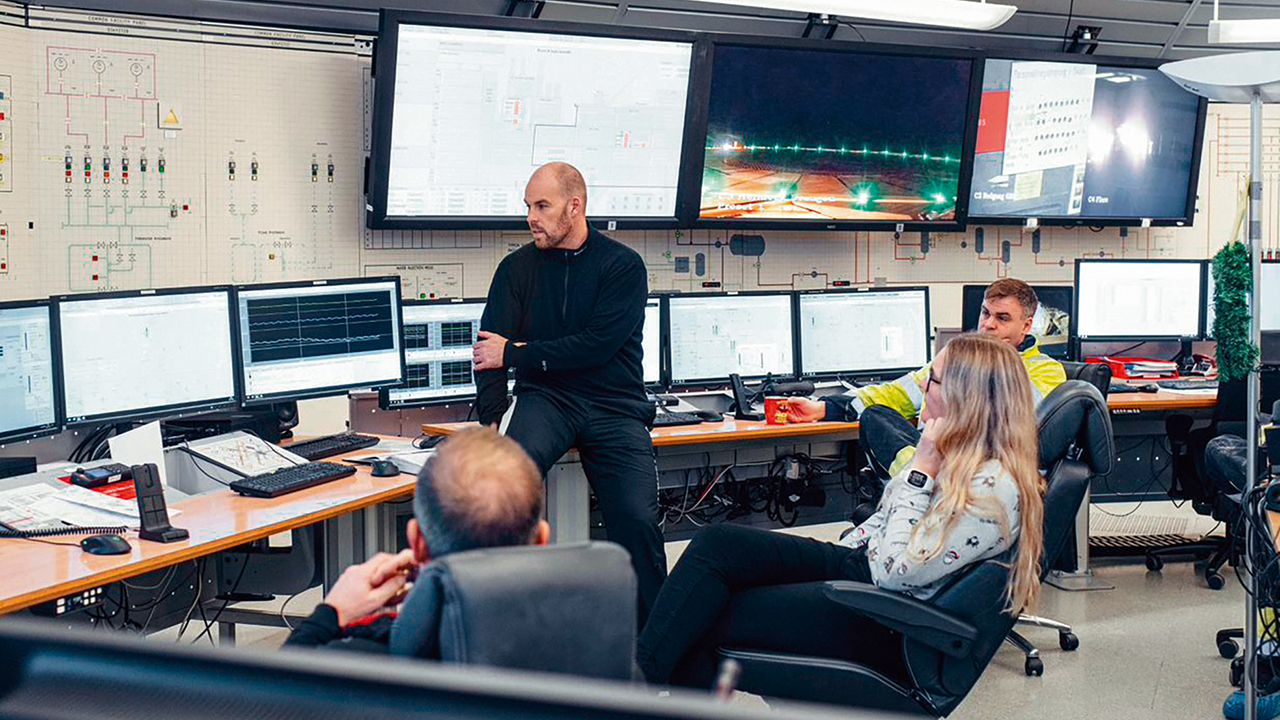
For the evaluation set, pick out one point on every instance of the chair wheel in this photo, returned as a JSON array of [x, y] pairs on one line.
[[1215, 580], [1154, 563], [1034, 667], [1228, 649], [1068, 641], [1237, 672]]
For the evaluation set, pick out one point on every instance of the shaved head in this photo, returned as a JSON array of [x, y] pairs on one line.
[[557, 200]]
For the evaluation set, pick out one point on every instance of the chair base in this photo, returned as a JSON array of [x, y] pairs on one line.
[[1067, 640], [1218, 550]]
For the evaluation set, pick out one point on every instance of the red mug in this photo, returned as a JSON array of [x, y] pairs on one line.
[[776, 409]]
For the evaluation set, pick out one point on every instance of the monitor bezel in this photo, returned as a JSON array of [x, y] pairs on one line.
[[383, 102], [330, 390], [384, 393], [155, 411], [1079, 339], [55, 362], [967, 144], [1193, 186], [878, 372], [713, 382]]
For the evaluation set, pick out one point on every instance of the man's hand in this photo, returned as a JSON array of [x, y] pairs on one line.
[[804, 410], [487, 352], [927, 458], [373, 584]]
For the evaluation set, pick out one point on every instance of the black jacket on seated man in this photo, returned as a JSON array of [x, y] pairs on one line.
[[479, 490]]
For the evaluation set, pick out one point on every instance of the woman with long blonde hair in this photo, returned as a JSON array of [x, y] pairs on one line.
[[973, 491]]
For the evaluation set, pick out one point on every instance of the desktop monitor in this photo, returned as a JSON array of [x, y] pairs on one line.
[[146, 353], [862, 332], [29, 402], [712, 336], [1139, 299], [837, 136], [652, 345], [466, 108], [315, 338], [1089, 143], [1051, 325], [437, 351]]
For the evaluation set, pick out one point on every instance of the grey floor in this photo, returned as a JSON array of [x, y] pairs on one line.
[[1146, 648]]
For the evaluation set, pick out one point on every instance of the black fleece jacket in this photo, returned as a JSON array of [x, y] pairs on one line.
[[580, 315]]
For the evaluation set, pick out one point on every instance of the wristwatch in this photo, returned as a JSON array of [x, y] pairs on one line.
[[915, 478]]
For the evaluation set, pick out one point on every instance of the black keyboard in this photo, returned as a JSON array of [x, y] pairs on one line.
[[330, 445], [676, 418], [289, 479], [1187, 384]]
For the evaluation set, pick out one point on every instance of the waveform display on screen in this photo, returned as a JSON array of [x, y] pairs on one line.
[[320, 325], [833, 136]]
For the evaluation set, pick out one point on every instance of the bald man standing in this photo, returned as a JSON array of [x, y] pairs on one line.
[[567, 312]]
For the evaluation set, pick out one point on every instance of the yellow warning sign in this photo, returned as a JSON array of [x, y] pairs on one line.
[[171, 118]]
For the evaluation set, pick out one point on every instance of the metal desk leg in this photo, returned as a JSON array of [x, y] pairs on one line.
[[226, 634], [1082, 578], [568, 503]]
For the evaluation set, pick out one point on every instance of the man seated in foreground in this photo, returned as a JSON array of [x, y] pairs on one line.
[[479, 490]]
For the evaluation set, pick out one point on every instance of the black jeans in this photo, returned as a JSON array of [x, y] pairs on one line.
[[617, 458], [751, 588], [884, 432]]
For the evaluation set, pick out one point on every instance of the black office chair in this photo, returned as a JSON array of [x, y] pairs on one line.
[[1096, 374], [1189, 481], [565, 609], [948, 640]]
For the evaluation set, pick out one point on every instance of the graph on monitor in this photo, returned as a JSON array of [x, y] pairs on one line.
[[714, 336], [476, 111], [317, 338], [319, 326], [863, 332], [437, 344]]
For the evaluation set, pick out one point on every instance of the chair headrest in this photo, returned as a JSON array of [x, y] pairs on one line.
[[1096, 374], [1076, 414], [564, 608]]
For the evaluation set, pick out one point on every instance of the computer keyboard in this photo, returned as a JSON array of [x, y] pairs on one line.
[[289, 479], [1116, 387], [1186, 384], [676, 418], [330, 445]]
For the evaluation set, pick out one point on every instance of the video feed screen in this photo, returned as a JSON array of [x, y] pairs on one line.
[[1081, 140], [826, 136]]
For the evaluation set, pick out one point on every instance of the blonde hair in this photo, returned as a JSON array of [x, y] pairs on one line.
[[990, 415]]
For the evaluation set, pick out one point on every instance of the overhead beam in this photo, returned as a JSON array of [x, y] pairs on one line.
[[1182, 25]]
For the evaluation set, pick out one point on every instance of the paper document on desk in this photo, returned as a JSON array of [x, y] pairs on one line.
[[139, 447], [79, 506], [17, 509]]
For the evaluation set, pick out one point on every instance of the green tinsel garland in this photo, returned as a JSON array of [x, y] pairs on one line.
[[1233, 281]]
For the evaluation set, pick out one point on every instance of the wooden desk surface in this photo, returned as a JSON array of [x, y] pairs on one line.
[[1161, 400], [38, 572], [727, 430]]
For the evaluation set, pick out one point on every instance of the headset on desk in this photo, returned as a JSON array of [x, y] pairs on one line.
[[10, 533]]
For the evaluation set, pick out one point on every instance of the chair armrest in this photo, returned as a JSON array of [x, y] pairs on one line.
[[915, 619]]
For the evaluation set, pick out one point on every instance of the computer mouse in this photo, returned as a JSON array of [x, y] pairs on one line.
[[385, 468], [1149, 387], [709, 415], [108, 544]]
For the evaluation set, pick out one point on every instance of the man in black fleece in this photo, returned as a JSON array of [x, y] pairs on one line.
[[567, 312]]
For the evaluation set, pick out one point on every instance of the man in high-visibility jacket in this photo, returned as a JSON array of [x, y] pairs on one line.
[[885, 411]]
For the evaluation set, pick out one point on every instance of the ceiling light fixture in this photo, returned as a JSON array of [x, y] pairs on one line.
[[966, 14], [1232, 32]]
